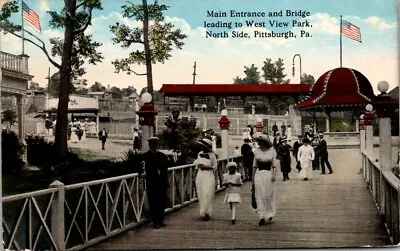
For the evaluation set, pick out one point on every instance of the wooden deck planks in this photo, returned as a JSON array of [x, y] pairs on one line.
[[327, 211]]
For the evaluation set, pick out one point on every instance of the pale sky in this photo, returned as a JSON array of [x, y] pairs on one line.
[[220, 60]]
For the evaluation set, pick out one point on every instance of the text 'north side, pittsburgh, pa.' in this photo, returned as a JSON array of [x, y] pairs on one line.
[[257, 24]]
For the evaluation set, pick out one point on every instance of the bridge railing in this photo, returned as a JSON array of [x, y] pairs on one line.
[[79, 215], [385, 189]]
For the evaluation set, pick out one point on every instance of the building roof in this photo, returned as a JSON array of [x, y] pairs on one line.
[[233, 89], [394, 93], [76, 104], [29, 91], [339, 89], [95, 93]]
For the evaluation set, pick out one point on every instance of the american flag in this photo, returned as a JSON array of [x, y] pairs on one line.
[[30, 16], [350, 30]]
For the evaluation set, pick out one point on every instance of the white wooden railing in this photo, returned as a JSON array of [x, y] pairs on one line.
[[76, 216], [385, 189], [12, 62]]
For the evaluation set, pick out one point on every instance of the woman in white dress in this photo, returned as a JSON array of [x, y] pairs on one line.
[[74, 136], [265, 166], [206, 165], [289, 134], [306, 155], [232, 181]]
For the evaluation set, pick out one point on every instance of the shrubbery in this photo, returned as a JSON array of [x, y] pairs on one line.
[[180, 136], [40, 152], [11, 150]]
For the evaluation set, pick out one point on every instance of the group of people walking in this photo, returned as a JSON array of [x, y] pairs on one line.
[[261, 165]]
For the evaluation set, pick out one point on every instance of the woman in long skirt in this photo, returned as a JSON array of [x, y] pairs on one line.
[[265, 166], [74, 135], [306, 156], [206, 164]]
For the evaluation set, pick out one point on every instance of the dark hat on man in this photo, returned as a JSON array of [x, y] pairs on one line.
[[306, 140], [247, 140], [205, 142]]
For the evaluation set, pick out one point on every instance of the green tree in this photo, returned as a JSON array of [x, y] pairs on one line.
[[79, 87], [5, 13], [53, 87], [157, 38], [9, 118], [116, 92], [273, 73], [237, 80], [144, 89], [75, 49], [252, 76], [35, 86], [97, 87], [181, 136], [128, 91], [307, 79]]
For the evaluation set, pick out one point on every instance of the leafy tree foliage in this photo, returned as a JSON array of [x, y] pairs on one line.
[[252, 76], [144, 89], [181, 136], [307, 79], [79, 87], [35, 86], [157, 38], [53, 87], [273, 73], [75, 49], [9, 118], [5, 13], [116, 92], [11, 153], [128, 91], [97, 87]]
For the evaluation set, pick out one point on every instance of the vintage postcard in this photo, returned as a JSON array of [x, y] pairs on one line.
[[183, 124]]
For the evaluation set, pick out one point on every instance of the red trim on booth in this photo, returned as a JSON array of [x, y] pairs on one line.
[[233, 89]]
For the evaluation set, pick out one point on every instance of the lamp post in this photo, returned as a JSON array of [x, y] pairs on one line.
[[147, 116], [385, 106], [293, 68], [368, 122], [224, 126]]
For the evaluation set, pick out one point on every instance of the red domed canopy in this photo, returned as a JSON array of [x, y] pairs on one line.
[[339, 89]]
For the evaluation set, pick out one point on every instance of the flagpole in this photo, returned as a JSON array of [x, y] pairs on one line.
[[340, 30], [22, 28]]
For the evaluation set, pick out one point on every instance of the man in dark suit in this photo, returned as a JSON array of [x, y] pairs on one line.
[[315, 145], [296, 146], [156, 167], [248, 158], [274, 129], [323, 153], [284, 157], [103, 138]]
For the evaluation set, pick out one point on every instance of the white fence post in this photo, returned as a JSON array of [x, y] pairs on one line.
[[57, 215]]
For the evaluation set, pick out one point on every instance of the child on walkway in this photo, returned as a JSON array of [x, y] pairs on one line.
[[232, 181]]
